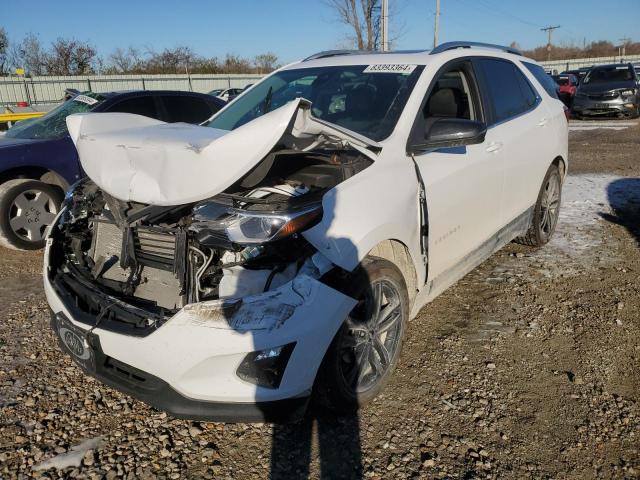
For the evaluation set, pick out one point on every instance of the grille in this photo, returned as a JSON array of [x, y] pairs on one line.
[[603, 96]]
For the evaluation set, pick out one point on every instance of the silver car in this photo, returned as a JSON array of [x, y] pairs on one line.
[[608, 90]]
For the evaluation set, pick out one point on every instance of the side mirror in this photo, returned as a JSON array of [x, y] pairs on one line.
[[452, 132]]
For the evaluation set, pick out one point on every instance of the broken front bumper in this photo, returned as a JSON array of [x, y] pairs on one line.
[[187, 366]]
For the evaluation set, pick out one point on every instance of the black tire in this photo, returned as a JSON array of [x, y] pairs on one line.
[[42, 204], [332, 389], [545, 217]]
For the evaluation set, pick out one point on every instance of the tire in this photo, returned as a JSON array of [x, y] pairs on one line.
[[27, 207], [546, 211], [338, 384]]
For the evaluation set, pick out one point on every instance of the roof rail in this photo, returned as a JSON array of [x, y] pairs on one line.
[[335, 53], [453, 45]]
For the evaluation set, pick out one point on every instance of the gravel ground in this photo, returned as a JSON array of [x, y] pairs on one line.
[[528, 368]]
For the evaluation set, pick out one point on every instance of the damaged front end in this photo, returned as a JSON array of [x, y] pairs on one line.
[[128, 267]]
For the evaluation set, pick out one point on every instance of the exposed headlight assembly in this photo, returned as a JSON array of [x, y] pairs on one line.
[[250, 227]]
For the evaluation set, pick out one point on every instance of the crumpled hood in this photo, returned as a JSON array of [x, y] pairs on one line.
[[135, 158]]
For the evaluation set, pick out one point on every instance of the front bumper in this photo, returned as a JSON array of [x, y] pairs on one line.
[[188, 365], [617, 106]]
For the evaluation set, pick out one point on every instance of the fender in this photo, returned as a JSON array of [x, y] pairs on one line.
[[345, 234]]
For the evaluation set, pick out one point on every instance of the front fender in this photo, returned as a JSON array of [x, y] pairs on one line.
[[380, 203]]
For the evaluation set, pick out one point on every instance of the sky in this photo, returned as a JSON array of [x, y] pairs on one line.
[[293, 29]]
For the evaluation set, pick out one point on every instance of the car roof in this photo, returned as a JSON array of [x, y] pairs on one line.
[[414, 57], [613, 65], [135, 93]]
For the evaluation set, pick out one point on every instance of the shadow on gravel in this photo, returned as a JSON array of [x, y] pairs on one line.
[[338, 441], [624, 198]]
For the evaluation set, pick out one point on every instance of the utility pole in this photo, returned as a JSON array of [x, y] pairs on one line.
[[623, 47], [549, 31], [384, 26], [436, 28]]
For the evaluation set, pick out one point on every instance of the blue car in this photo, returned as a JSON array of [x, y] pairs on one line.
[[38, 160]]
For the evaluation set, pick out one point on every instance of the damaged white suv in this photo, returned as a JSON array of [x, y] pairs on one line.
[[230, 270]]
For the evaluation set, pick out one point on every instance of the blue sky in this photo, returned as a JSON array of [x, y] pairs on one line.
[[295, 28]]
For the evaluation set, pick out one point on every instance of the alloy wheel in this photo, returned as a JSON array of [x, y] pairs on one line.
[[372, 339], [550, 205]]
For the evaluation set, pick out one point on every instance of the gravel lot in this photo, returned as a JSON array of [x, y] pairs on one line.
[[528, 368]]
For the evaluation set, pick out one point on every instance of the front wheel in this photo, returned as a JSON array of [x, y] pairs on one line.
[[366, 348], [27, 208], [546, 210]]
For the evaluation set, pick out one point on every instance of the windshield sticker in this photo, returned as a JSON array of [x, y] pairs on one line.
[[85, 99], [405, 69]]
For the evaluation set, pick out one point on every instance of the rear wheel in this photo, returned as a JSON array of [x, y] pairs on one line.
[[546, 210], [366, 349], [27, 208]]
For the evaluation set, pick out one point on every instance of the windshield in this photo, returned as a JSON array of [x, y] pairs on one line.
[[609, 74], [561, 80], [53, 124], [357, 97]]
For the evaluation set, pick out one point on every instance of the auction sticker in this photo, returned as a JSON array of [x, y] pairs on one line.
[[403, 68], [85, 99]]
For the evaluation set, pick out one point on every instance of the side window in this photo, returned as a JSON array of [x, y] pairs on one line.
[[545, 80], [186, 109], [509, 90], [139, 105], [450, 97]]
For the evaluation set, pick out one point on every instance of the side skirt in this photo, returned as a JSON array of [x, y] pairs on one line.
[[435, 287]]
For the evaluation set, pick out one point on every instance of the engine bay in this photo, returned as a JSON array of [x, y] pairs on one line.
[[133, 265]]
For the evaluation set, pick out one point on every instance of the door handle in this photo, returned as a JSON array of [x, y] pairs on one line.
[[494, 147], [542, 122]]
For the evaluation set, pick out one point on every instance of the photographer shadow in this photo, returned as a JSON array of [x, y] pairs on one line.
[[623, 196]]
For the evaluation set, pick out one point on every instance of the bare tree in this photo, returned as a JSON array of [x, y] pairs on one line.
[[4, 51], [362, 17], [125, 61], [70, 57], [265, 62], [30, 55]]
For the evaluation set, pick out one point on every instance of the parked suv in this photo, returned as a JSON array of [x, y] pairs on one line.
[[608, 90], [230, 271], [568, 85], [38, 160]]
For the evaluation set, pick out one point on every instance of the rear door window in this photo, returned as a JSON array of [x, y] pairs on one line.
[[144, 105], [510, 92], [541, 76], [186, 109]]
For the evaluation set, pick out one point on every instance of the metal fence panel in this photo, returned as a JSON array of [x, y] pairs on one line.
[[575, 63], [39, 90]]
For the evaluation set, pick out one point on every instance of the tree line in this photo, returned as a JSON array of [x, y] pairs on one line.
[[600, 48], [68, 56]]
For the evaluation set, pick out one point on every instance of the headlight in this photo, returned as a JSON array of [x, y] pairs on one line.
[[627, 93], [249, 227]]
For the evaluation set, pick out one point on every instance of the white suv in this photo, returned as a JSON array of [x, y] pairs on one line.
[[230, 270]]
